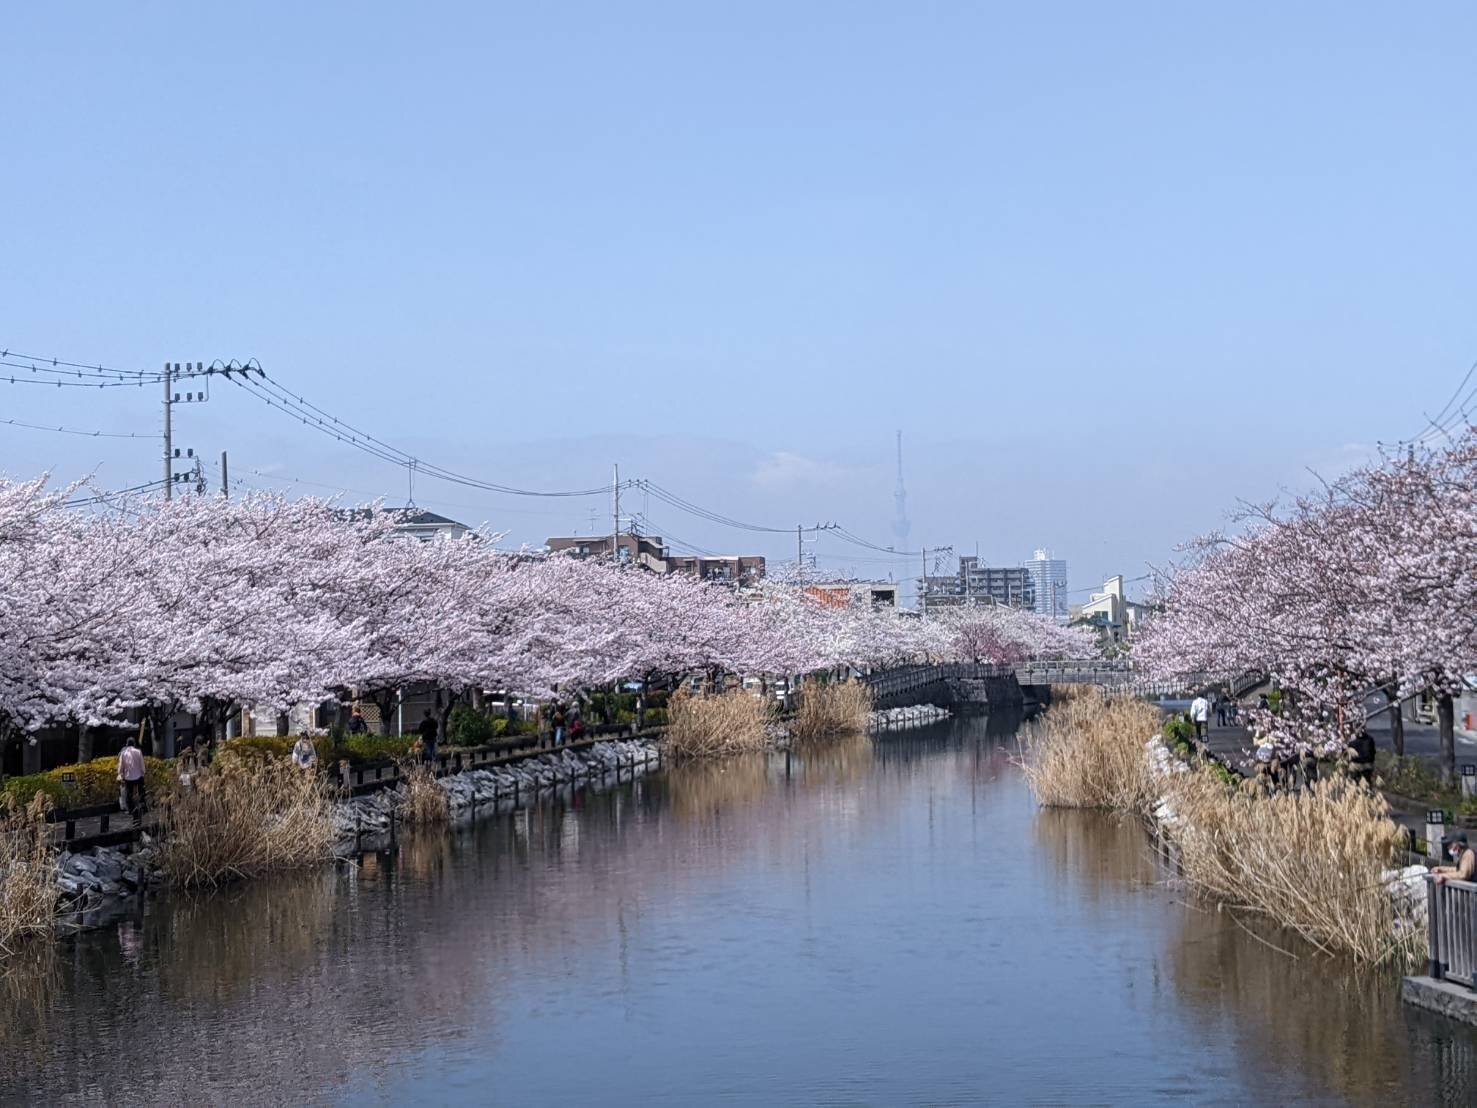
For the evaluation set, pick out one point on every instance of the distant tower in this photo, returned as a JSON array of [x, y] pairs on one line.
[[900, 524]]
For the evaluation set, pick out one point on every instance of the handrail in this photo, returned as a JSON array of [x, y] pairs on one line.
[[1451, 920]]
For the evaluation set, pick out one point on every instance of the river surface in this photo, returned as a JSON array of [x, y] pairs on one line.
[[880, 921]]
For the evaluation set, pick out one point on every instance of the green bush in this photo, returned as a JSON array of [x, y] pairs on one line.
[[1177, 730], [277, 746], [23, 788], [469, 727], [374, 748], [1413, 777], [95, 782]]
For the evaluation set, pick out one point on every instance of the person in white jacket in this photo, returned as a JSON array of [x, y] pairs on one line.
[[1200, 716]]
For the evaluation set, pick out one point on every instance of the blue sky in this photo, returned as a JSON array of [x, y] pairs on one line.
[[1108, 267]]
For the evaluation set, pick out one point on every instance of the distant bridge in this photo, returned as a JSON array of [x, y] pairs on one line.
[[951, 684]]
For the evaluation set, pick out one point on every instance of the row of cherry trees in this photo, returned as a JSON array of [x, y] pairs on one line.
[[207, 604], [1371, 584]]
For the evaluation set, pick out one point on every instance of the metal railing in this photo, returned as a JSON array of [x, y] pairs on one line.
[[891, 682], [1451, 916]]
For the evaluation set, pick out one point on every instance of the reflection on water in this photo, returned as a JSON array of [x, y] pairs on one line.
[[875, 921]]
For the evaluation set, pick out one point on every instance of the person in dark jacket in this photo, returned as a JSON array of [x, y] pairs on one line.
[[428, 730], [1361, 757]]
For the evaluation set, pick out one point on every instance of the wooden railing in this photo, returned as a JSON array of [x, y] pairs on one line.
[[1451, 916]]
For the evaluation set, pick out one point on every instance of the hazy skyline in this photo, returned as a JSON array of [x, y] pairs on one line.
[[1109, 270]]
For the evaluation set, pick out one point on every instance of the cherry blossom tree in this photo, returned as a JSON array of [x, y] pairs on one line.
[[1367, 585]]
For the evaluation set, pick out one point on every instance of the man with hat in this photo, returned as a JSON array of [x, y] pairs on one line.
[[1455, 846]]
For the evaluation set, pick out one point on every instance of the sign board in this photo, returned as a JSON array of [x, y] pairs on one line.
[[1436, 815], [1469, 770], [69, 779]]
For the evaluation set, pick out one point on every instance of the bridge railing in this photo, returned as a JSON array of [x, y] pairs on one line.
[[891, 682], [1451, 917]]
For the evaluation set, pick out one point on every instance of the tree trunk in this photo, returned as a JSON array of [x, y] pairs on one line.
[[1446, 725], [284, 725], [385, 701], [158, 721], [84, 743], [1397, 721]]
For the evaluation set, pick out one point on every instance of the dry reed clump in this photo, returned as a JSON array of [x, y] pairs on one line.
[[28, 871], [1310, 860], [425, 800], [1061, 693], [721, 724], [246, 817], [832, 709], [1088, 752]]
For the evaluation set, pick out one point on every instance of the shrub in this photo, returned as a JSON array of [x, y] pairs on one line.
[[726, 723], [278, 746], [27, 871], [244, 817], [832, 709], [469, 727], [374, 748], [1089, 753], [1414, 777], [1178, 730], [94, 782]]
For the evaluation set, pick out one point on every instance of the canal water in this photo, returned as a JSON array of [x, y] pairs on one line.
[[876, 921]]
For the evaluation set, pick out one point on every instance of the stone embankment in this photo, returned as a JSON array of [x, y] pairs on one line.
[[514, 783], [94, 886], [906, 717]]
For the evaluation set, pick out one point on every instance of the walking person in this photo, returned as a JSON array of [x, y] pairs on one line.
[[1222, 703], [1200, 716], [558, 724], [304, 753], [1361, 758], [428, 730], [131, 776], [357, 726]]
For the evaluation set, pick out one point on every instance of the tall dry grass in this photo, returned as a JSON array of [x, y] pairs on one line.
[[425, 801], [1310, 860], [834, 708], [1088, 752], [28, 872], [716, 725], [246, 817]]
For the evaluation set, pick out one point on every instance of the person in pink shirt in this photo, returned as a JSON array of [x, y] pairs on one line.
[[131, 774]]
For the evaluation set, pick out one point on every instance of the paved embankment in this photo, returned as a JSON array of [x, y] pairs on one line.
[[94, 885]]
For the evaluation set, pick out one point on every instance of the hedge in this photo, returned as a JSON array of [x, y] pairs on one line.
[[96, 782]]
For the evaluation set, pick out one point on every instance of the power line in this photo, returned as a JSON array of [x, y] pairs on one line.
[[39, 360], [111, 495], [325, 423], [73, 431]]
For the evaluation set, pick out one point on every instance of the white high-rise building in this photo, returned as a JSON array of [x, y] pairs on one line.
[[1049, 576]]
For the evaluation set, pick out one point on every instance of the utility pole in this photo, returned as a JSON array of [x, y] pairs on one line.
[[923, 585], [168, 435], [225, 477], [172, 374], [615, 533], [799, 552]]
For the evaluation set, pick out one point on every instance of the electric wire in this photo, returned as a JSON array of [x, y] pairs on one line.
[[74, 431]]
